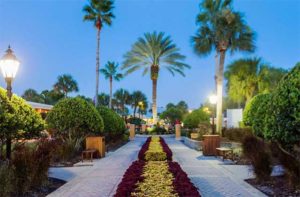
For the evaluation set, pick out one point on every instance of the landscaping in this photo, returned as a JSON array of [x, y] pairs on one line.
[[155, 174]]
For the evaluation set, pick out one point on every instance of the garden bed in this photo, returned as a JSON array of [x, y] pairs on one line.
[[155, 174], [276, 186]]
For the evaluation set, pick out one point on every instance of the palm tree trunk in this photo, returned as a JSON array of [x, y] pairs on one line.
[[134, 111], [97, 66], [110, 92], [154, 107], [220, 92]]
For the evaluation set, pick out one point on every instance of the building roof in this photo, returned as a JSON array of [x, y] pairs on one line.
[[40, 105]]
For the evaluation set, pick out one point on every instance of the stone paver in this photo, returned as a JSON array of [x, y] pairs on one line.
[[101, 179], [210, 175]]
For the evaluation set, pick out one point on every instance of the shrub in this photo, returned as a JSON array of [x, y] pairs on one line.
[[255, 150], [255, 113], [136, 121], [196, 117], [114, 125], [75, 118], [237, 134], [282, 123], [6, 182], [158, 130]]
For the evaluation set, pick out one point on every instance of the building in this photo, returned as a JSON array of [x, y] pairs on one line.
[[40, 107]]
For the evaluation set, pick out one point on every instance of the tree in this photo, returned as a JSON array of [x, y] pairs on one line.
[[248, 77], [18, 120], [151, 53], [137, 98], [32, 95], [122, 98], [172, 114], [221, 29], [103, 99], [51, 97], [193, 119], [100, 13], [65, 84], [111, 72]]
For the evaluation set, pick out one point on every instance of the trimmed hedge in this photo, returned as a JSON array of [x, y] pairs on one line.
[[75, 117], [114, 125]]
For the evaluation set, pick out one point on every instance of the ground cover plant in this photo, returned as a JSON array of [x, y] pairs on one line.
[[152, 176]]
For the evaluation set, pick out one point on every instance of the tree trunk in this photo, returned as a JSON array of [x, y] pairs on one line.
[[216, 69], [134, 111], [110, 92], [97, 66], [220, 91], [154, 106]]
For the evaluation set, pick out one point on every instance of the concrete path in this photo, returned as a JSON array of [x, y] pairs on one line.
[[100, 180], [210, 175]]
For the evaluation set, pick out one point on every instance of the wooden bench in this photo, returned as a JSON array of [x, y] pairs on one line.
[[225, 153], [88, 153]]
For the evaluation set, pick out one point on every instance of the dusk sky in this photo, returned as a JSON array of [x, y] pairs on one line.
[[50, 38]]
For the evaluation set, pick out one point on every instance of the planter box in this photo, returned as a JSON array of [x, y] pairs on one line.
[[210, 143], [194, 144], [97, 143]]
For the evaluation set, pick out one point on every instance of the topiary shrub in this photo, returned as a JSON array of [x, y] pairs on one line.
[[196, 117], [74, 118], [255, 150], [114, 125], [282, 123], [255, 113]]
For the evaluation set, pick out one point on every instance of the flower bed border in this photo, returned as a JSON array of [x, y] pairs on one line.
[[166, 149]]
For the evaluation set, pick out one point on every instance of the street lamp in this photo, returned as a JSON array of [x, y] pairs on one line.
[[9, 66], [213, 101]]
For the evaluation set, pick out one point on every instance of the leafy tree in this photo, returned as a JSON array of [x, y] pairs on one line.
[[172, 114], [51, 97], [137, 97], [65, 84], [221, 29], [193, 119], [183, 106], [248, 77], [122, 98], [88, 99], [111, 72], [74, 118], [103, 99], [100, 13], [32, 95], [114, 125], [151, 53], [18, 120]]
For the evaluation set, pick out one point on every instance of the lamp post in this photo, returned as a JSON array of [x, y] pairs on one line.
[[213, 100], [9, 66]]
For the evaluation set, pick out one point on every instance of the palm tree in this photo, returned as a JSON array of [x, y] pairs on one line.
[[122, 98], [33, 96], [103, 99], [137, 98], [151, 53], [111, 72], [99, 12], [221, 29], [65, 84]]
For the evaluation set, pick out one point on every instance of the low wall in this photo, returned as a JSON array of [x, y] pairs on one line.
[[197, 145]]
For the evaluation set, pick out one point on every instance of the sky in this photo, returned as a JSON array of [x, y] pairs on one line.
[[50, 38]]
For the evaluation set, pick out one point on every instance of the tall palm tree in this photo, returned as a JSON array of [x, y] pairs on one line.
[[221, 29], [65, 84], [122, 98], [151, 53], [99, 12], [137, 98], [103, 99], [111, 72]]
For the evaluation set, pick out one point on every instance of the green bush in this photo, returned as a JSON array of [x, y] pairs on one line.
[[196, 117], [114, 125], [256, 151], [282, 123], [136, 121], [75, 118], [237, 134], [18, 119]]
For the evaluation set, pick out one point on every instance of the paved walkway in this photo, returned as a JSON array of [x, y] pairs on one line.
[[100, 180], [210, 175]]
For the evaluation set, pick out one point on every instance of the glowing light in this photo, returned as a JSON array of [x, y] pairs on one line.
[[9, 64], [213, 99]]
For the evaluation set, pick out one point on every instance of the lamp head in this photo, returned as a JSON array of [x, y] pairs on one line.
[[9, 64]]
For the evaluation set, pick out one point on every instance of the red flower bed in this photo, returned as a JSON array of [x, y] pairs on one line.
[[182, 184], [132, 175], [144, 148], [166, 149]]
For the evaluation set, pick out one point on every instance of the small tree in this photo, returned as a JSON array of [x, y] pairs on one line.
[[18, 120], [196, 117]]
